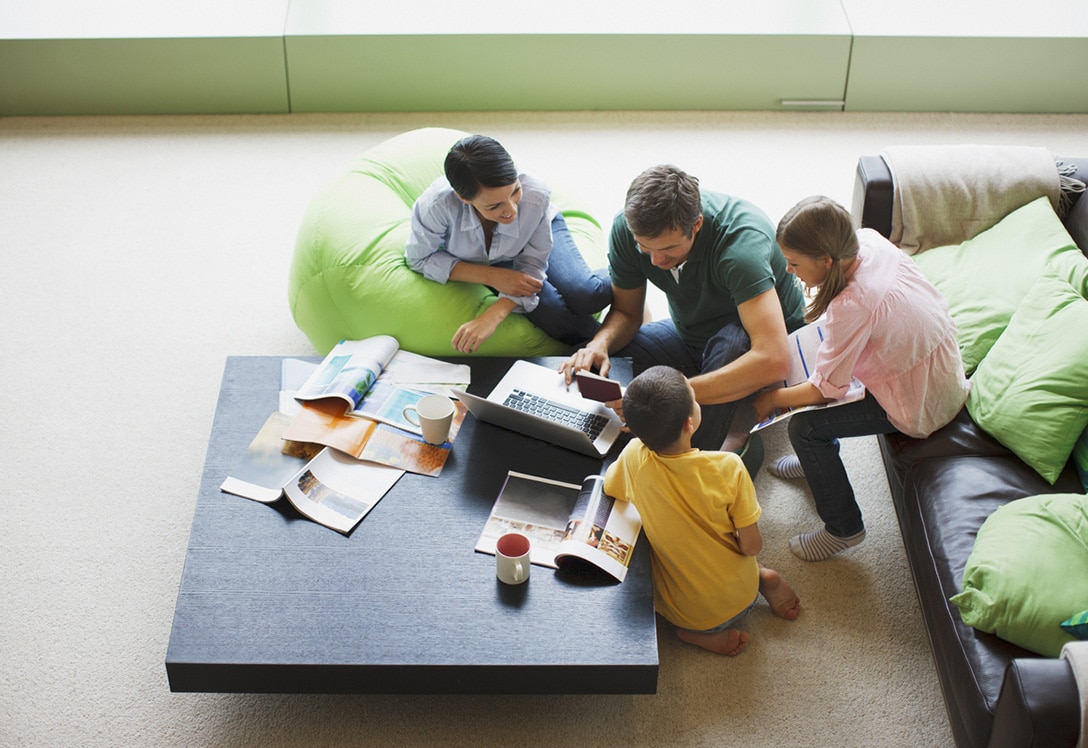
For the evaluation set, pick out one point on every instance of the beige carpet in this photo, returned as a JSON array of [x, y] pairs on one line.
[[136, 253]]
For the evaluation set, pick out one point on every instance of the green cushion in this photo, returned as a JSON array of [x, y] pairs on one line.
[[348, 278], [1080, 458], [985, 277], [1031, 391], [1025, 573], [1077, 625]]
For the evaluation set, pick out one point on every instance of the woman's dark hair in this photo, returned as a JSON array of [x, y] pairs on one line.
[[819, 227], [476, 162], [661, 199], [656, 404]]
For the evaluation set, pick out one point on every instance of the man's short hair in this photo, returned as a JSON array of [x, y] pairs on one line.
[[662, 199], [656, 404]]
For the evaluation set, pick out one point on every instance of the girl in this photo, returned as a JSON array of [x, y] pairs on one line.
[[486, 223], [887, 326]]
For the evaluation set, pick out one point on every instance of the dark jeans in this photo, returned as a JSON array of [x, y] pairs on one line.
[[815, 435], [572, 293], [658, 343]]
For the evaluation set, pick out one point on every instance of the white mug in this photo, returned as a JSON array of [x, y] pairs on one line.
[[512, 558], [435, 414]]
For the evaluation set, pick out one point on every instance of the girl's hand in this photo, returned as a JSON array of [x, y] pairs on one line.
[[764, 404]]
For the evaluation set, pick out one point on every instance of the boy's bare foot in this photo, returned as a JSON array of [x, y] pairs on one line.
[[783, 600], [730, 642]]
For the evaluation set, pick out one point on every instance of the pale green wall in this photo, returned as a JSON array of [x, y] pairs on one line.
[[214, 56]]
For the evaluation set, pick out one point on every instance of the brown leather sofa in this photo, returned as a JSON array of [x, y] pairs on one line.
[[943, 487]]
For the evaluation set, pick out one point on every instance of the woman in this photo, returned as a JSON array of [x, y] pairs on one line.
[[486, 223]]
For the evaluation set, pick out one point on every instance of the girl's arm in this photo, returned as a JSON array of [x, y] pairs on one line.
[[797, 396]]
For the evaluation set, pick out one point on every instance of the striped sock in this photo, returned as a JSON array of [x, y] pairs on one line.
[[786, 467], [820, 544]]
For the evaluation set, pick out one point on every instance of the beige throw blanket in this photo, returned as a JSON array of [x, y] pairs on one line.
[[1077, 655], [946, 194]]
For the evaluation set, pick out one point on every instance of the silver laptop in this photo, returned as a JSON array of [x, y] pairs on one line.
[[535, 401]]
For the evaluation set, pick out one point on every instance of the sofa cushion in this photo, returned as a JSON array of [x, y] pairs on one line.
[[1080, 458], [1031, 391], [1021, 578], [1077, 625], [348, 277], [985, 277]]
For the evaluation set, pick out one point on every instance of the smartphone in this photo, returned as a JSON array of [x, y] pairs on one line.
[[595, 387]]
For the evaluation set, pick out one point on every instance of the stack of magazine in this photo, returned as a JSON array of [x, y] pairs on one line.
[[339, 441]]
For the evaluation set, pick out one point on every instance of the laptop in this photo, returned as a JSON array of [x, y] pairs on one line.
[[535, 401]]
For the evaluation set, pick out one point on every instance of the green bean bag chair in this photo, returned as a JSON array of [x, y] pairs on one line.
[[348, 279]]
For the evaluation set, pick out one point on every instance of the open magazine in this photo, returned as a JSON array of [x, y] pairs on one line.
[[326, 486], [566, 523], [374, 379], [804, 343]]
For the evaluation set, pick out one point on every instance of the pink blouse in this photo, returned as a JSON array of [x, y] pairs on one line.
[[891, 329]]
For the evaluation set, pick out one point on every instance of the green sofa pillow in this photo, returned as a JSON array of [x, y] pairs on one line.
[[985, 277], [348, 278], [1024, 575], [1077, 625], [1080, 458], [1031, 391]]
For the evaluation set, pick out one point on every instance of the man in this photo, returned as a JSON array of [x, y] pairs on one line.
[[731, 299]]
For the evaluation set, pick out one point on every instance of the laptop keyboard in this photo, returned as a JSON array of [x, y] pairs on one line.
[[592, 424]]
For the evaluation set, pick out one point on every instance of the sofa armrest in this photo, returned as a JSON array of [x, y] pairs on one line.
[[873, 191], [1038, 705]]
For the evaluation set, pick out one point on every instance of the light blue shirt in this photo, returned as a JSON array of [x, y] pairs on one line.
[[447, 230]]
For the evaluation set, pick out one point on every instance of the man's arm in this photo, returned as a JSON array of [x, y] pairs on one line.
[[766, 362], [618, 329]]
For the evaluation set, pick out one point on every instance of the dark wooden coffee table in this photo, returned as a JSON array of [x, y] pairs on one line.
[[270, 602]]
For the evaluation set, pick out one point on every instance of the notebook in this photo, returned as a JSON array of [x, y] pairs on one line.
[[535, 401]]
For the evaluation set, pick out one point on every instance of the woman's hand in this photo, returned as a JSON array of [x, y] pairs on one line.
[[513, 282], [471, 335]]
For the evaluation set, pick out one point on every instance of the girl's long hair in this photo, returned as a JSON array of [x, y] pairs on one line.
[[819, 227]]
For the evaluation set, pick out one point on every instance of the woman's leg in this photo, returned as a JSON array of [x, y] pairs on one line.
[[572, 293], [815, 435]]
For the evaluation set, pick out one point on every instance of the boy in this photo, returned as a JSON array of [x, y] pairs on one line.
[[699, 512]]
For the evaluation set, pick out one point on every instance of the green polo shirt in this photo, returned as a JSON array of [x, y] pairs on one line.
[[734, 259]]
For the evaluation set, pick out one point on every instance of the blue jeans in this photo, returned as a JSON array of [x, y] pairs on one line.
[[732, 622], [658, 343], [815, 435], [572, 293]]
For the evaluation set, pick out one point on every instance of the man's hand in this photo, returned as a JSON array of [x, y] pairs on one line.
[[594, 355], [617, 405]]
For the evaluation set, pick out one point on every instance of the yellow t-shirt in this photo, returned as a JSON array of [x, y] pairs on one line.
[[690, 505]]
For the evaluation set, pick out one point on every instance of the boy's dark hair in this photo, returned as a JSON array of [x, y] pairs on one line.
[[655, 406], [661, 199], [476, 162]]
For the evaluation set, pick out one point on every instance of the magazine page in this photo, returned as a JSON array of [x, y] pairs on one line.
[[601, 530], [538, 508], [337, 491], [269, 462], [365, 439], [409, 368], [349, 371], [804, 343]]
